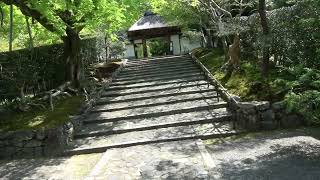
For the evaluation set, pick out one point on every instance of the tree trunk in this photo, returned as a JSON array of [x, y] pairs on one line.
[[145, 48], [225, 48], [209, 39], [204, 34], [72, 47], [22, 94], [29, 33], [11, 28], [107, 45], [265, 31]]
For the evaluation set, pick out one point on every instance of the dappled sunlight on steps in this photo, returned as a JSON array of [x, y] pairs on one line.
[[154, 101]]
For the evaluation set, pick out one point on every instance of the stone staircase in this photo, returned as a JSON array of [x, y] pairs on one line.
[[153, 101]]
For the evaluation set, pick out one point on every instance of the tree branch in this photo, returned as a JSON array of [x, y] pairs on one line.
[[225, 12]]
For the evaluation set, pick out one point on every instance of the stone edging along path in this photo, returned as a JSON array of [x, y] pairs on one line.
[[47, 142], [254, 115]]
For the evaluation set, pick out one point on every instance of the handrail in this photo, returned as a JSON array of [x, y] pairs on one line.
[[223, 91]]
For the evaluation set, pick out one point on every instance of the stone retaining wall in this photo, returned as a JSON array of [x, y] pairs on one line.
[[47, 142], [254, 116], [265, 116], [40, 142]]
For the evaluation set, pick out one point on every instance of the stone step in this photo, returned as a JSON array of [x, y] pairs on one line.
[[153, 84], [146, 71], [153, 102], [137, 99], [154, 88], [159, 75], [155, 62], [159, 88], [156, 111], [161, 57], [102, 143], [183, 119], [198, 95], [151, 60], [137, 74], [157, 58], [160, 79], [159, 66], [156, 94]]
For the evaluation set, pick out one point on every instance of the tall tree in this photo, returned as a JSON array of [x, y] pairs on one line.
[[265, 31], [11, 28], [67, 19], [29, 33]]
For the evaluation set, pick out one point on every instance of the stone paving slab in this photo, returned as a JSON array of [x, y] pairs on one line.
[[149, 110], [175, 85], [152, 101], [157, 66], [159, 63], [56, 168], [159, 79], [150, 61], [115, 94], [150, 71], [158, 74], [277, 156], [151, 135], [158, 59], [164, 91], [178, 160], [126, 74], [153, 121], [155, 83]]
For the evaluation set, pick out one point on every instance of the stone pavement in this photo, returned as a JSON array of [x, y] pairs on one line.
[[175, 160], [272, 156], [292, 155], [55, 168]]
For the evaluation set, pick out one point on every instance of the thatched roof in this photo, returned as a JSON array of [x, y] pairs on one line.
[[149, 21], [151, 25]]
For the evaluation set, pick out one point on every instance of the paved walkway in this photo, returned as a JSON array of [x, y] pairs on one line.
[[67, 168], [277, 155], [178, 160]]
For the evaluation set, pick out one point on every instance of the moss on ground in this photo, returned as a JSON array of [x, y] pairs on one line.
[[43, 118], [247, 83]]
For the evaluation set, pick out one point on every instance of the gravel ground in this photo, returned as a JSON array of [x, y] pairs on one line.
[[280, 155]]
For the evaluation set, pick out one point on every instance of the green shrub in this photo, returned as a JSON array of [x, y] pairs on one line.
[[306, 104]]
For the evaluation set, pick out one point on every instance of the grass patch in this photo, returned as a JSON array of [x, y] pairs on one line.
[[44, 118]]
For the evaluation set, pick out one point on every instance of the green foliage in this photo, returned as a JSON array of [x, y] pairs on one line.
[[158, 47], [87, 16], [39, 70], [42, 118], [294, 38], [306, 103], [21, 39], [180, 12]]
